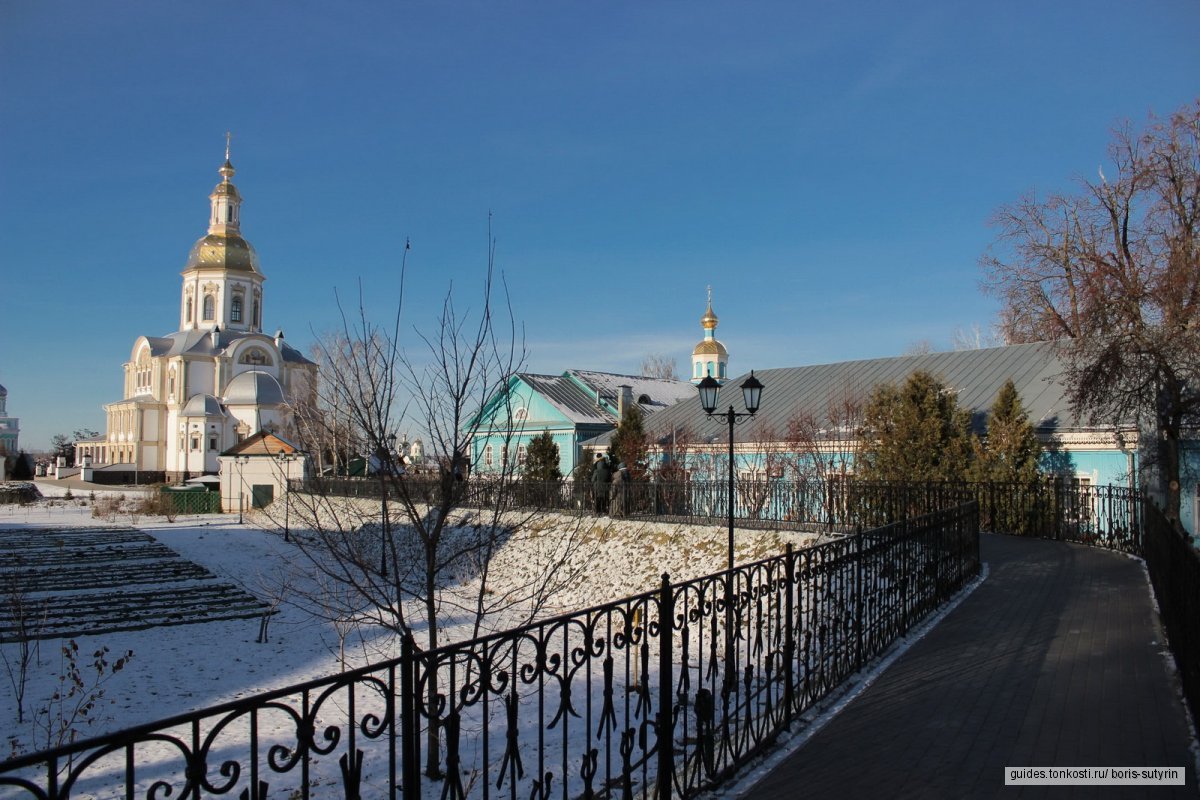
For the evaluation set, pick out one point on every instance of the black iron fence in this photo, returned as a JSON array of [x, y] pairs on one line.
[[1106, 516], [1174, 567], [661, 694]]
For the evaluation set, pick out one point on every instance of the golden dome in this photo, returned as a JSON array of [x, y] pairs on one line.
[[223, 251], [710, 347], [709, 320]]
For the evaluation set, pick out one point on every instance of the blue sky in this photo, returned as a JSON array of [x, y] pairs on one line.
[[828, 168]]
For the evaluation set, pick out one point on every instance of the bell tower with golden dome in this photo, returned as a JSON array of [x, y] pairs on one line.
[[222, 282], [710, 358]]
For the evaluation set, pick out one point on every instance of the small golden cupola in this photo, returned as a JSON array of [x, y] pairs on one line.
[[709, 357]]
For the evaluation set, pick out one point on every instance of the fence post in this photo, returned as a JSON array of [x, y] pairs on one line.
[[409, 729], [665, 729], [858, 599], [789, 638]]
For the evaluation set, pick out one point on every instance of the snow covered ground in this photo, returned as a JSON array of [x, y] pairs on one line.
[[181, 668]]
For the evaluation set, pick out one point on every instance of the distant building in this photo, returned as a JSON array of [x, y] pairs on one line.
[[255, 471], [191, 394], [573, 407], [10, 427], [1088, 454]]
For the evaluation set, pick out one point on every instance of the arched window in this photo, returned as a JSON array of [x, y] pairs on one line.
[[257, 316], [210, 307], [696, 369], [235, 309], [188, 315], [722, 369], [255, 356], [521, 414], [710, 370]]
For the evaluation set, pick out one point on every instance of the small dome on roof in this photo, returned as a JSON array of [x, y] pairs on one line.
[[203, 405], [254, 388], [710, 347]]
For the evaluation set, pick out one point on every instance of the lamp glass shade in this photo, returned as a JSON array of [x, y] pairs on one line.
[[708, 394], [752, 392]]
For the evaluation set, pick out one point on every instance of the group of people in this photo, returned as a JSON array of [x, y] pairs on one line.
[[609, 484]]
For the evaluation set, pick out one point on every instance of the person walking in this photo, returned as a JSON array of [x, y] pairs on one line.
[[601, 477], [620, 489]]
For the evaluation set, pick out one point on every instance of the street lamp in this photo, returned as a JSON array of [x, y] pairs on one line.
[[751, 395], [385, 456], [285, 461], [241, 462]]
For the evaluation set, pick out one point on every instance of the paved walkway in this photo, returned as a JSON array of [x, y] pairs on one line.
[[1053, 661]]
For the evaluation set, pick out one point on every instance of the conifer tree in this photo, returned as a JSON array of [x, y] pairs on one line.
[[915, 432], [1010, 452], [542, 460], [629, 444]]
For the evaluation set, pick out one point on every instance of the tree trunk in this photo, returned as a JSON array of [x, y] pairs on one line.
[[432, 748]]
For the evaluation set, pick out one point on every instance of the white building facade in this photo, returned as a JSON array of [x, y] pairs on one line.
[[196, 392]]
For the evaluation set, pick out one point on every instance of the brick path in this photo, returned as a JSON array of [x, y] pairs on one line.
[[1053, 661]]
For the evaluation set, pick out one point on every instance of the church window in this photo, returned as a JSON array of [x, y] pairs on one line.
[[520, 454], [722, 366], [710, 369], [257, 317], [210, 307], [229, 213], [521, 414], [487, 456], [235, 309], [188, 315], [195, 443], [212, 442]]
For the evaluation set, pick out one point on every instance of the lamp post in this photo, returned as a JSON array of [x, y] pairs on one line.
[[385, 456], [241, 462], [285, 460], [751, 394]]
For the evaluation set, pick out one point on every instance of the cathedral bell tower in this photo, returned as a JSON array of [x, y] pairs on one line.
[[709, 358], [222, 282]]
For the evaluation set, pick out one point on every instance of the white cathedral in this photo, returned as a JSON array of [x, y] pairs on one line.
[[193, 393]]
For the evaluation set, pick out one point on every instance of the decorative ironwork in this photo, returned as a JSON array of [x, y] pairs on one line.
[[664, 693]]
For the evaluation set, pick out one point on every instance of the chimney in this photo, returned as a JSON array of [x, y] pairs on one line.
[[624, 400], [216, 336]]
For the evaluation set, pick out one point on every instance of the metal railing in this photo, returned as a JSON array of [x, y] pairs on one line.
[[1174, 567], [1106, 516], [661, 694]]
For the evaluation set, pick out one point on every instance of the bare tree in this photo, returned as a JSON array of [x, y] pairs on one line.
[[420, 549], [1113, 273], [975, 338], [826, 444], [659, 365]]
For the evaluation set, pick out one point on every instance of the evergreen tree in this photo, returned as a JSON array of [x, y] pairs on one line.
[[1011, 452], [542, 460], [629, 444], [915, 432]]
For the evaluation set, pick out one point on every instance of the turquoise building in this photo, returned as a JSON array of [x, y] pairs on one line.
[[573, 407], [799, 399]]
